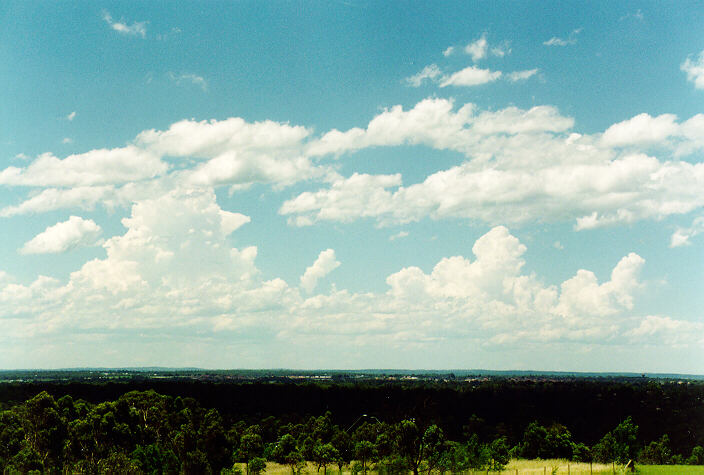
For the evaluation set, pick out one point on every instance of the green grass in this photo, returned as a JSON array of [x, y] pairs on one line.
[[561, 466], [657, 469], [524, 467]]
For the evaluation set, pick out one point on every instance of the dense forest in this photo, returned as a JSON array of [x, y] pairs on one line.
[[190, 426]]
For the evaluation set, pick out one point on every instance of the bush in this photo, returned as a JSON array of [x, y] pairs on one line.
[[256, 465]]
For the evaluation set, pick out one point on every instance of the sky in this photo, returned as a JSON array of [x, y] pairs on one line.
[[352, 184]]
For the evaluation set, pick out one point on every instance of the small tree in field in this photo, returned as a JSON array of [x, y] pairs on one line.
[[256, 465], [697, 457], [324, 455], [364, 452], [619, 445]]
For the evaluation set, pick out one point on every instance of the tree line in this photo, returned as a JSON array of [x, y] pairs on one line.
[[151, 433]]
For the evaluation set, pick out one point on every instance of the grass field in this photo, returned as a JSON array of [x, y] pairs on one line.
[[524, 467], [670, 469]]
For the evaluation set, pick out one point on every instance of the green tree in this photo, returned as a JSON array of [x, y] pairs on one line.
[[619, 444], [285, 445], [324, 455], [213, 442], [534, 443], [43, 427], [256, 465], [415, 446], [342, 442], [251, 447], [11, 435], [499, 456], [697, 456], [657, 452], [364, 452], [295, 461]]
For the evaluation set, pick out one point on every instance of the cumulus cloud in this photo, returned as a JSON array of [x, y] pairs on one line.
[[236, 152], [64, 236], [488, 300], [87, 197], [516, 76], [434, 123], [71, 116], [582, 295], [178, 237], [229, 152], [97, 167], [478, 48], [431, 72], [135, 29], [594, 195], [470, 76], [172, 267], [208, 139], [639, 130], [660, 330], [323, 265], [663, 131], [681, 237], [149, 281], [359, 196], [522, 165], [695, 70]]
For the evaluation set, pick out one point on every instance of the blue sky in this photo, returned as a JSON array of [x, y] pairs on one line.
[[494, 185]]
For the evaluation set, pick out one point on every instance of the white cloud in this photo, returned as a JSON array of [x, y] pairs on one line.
[[398, 235], [52, 199], [434, 123], [695, 70], [323, 265], [431, 122], [177, 238], [663, 131], [488, 300], [359, 196], [172, 267], [448, 51], [640, 130], [660, 330], [522, 165], [97, 167], [209, 139], [67, 140], [681, 237], [501, 50], [173, 273], [190, 78], [478, 48], [135, 29], [582, 295], [599, 194], [570, 40], [428, 73], [555, 41], [71, 116], [521, 75], [470, 76], [64, 236]]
